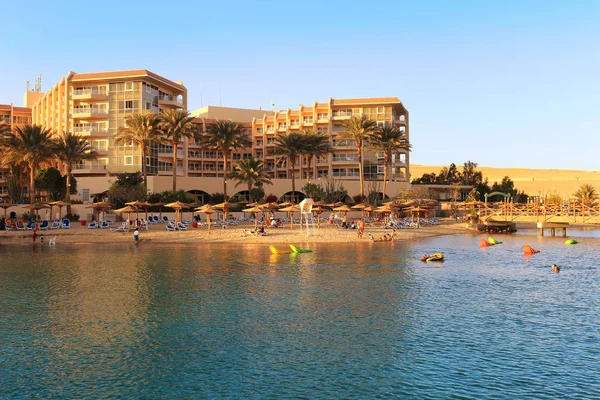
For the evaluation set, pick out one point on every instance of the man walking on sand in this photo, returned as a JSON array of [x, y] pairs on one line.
[[136, 235], [361, 228]]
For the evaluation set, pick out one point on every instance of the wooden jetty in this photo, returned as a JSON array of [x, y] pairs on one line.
[[553, 226]]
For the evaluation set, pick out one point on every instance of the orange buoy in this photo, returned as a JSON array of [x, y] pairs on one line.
[[528, 250], [484, 243]]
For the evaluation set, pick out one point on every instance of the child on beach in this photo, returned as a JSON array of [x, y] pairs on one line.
[[136, 235]]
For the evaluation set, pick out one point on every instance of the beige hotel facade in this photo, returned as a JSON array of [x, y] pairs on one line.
[[95, 106]]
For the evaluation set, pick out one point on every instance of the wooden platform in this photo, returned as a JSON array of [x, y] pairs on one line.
[[495, 227], [553, 226]]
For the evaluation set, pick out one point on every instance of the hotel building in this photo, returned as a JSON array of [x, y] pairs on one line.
[[15, 117], [95, 105]]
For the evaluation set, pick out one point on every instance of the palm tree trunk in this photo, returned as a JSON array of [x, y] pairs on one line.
[[360, 169], [293, 165], [174, 166], [68, 194], [225, 176], [249, 189], [386, 160], [144, 171], [31, 183], [308, 168]]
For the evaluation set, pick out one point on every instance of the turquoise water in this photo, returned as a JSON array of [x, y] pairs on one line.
[[346, 321]]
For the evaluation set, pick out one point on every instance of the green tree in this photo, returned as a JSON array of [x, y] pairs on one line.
[[359, 129], [470, 175], [31, 144], [71, 149], [317, 144], [223, 137], [586, 194], [388, 140], [314, 191], [127, 187], [142, 130], [176, 125], [251, 172], [291, 146]]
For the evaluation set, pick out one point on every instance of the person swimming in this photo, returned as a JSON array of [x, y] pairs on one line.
[[555, 268]]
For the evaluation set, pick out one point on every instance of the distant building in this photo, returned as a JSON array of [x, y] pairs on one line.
[[15, 117]]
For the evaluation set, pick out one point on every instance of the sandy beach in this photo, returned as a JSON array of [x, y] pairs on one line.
[[158, 234]]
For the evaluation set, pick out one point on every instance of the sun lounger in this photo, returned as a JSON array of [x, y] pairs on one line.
[[66, 224], [181, 226], [92, 225], [119, 229], [55, 225], [44, 225], [104, 225], [171, 228], [165, 219], [20, 226]]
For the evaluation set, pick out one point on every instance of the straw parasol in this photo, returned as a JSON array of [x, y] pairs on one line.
[[225, 206], [207, 209], [137, 204], [6, 206], [60, 204], [286, 204], [344, 208], [291, 209], [319, 210], [160, 206], [128, 210], [177, 206], [417, 210], [36, 207], [255, 210], [386, 210], [101, 206]]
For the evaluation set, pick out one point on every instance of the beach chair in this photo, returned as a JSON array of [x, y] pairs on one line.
[[122, 228], [92, 225], [44, 225], [155, 219], [181, 226], [66, 224], [20, 226], [171, 228], [104, 225], [55, 225], [165, 219]]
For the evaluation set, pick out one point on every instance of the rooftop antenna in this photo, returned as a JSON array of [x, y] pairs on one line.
[[272, 106]]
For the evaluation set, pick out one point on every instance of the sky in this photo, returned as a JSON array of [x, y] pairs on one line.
[[501, 83]]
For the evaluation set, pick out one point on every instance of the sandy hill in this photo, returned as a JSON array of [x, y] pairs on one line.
[[531, 181]]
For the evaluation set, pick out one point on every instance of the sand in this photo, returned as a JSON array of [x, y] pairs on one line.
[[158, 234]]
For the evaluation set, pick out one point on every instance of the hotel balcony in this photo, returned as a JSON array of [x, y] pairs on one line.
[[89, 112], [90, 130], [170, 101], [162, 152], [90, 94], [399, 119], [168, 171], [90, 168], [340, 115]]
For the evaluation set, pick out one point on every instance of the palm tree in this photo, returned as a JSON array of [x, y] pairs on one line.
[[141, 130], [359, 129], [388, 140], [586, 194], [251, 172], [176, 125], [223, 137], [291, 145], [31, 144], [5, 129], [317, 144], [71, 149]]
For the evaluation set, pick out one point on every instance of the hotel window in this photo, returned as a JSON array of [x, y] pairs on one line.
[[307, 120], [128, 104], [128, 86], [270, 128], [322, 116], [294, 122], [323, 129], [128, 160], [380, 110], [148, 105], [282, 125]]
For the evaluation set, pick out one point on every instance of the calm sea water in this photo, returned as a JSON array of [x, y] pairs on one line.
[[346, 321]]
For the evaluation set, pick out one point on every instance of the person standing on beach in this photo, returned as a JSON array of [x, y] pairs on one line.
[[136, 235], [361, 228]]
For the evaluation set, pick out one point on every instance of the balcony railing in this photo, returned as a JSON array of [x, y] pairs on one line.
[[346, 113], [169, 98], [89, 110], [90, 92], [90, 167], [89, 129]]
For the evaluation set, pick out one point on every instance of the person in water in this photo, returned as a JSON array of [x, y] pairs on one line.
[[555, 268]]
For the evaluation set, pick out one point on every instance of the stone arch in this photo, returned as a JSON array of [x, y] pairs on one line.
[[242, 195], [287, 196], [200, 195]]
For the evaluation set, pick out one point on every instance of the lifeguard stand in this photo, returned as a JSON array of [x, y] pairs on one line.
[[306, 214]]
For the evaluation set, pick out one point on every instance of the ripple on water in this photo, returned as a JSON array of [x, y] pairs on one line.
[[346, 321]]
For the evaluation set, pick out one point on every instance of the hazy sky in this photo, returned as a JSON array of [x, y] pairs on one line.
[[502, 83]]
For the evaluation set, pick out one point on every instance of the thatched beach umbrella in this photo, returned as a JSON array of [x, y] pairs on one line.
[[344, 208], [6, 206], [99, 207], [207, 209], [291, 210], [319, 210], [255, 210], [137, 204], [36, 207], [225, 206], [177, 206], [160, 206], [60, 204], [128, 210]]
